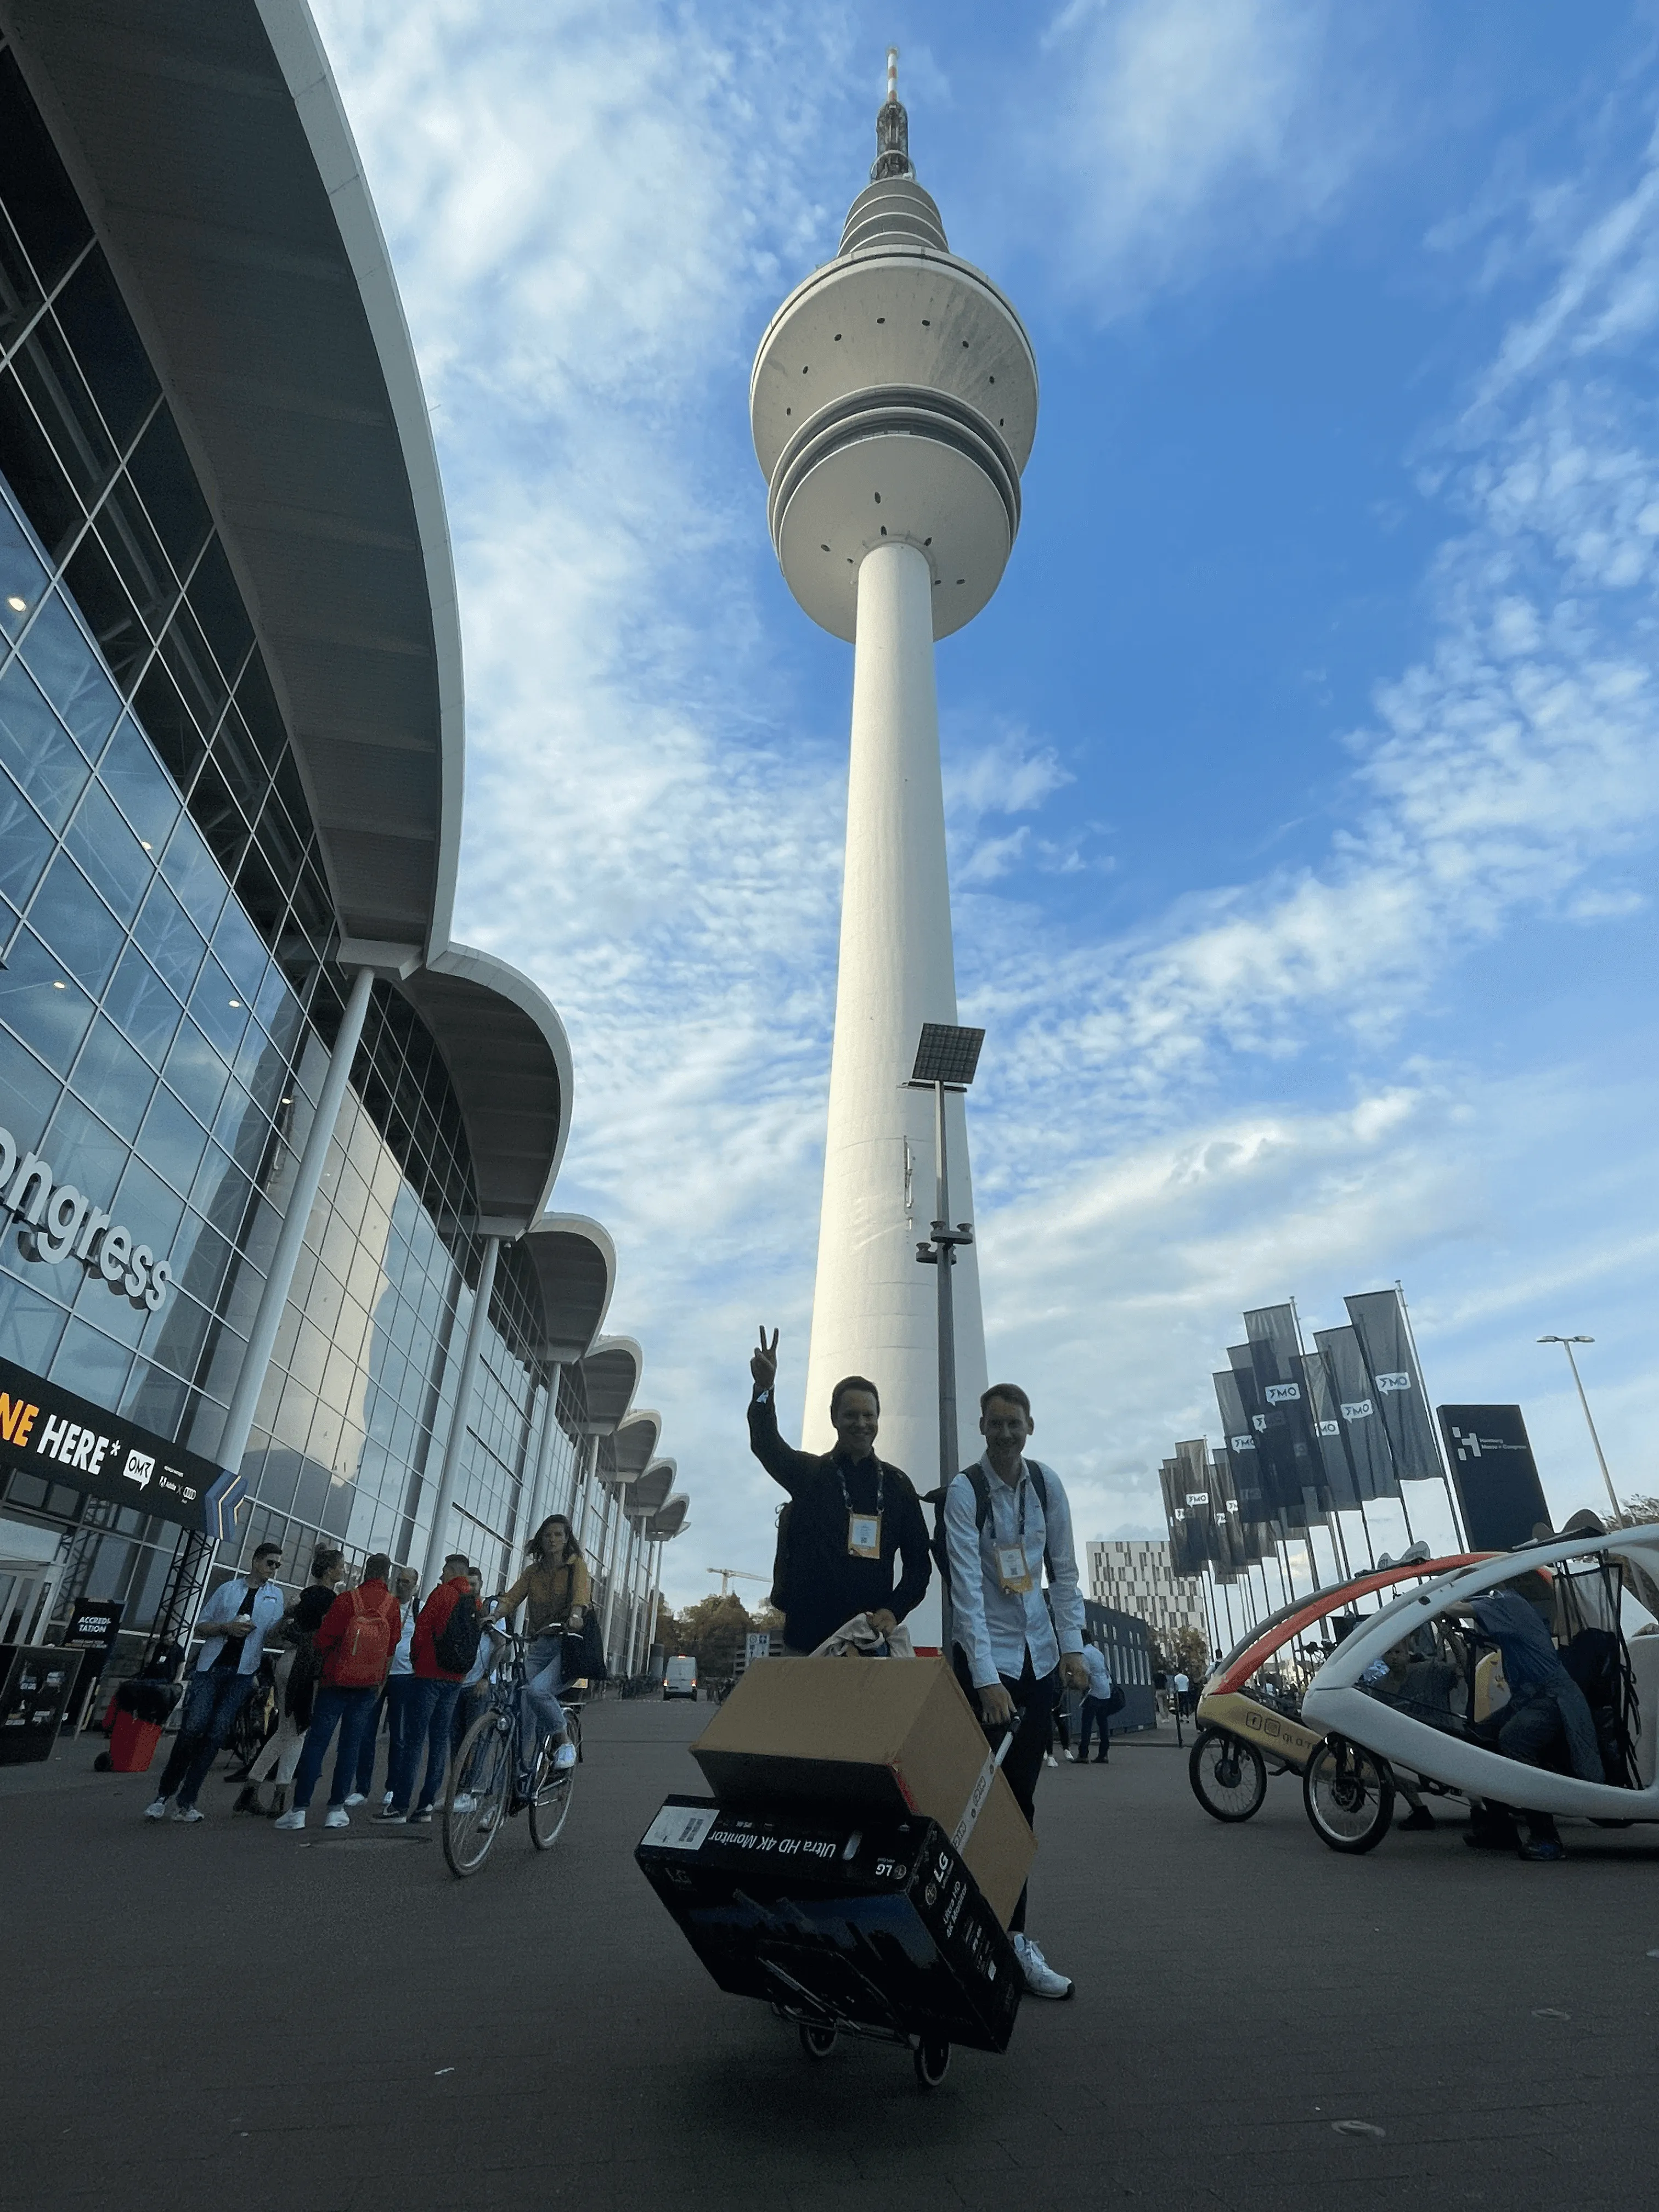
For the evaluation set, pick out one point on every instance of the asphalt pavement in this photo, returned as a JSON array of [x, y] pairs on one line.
[[224, 2019]]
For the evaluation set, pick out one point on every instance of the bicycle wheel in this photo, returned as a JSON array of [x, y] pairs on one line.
[[1229, 1778], [475, 1797], [1349, 1795], [549, 1801]]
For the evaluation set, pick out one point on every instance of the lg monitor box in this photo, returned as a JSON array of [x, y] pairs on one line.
[[882, 1736], [866, 1920]]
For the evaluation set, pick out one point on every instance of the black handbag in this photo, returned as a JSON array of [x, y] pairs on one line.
[[583, 1652]]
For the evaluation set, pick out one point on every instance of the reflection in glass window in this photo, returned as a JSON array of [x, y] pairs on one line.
[[41, 1002], [141, 1003], [75, 921], [35, 746]]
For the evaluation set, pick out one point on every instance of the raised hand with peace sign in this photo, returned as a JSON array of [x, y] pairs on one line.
[[764, 1362]]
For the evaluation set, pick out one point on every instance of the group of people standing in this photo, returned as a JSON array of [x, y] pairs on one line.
[[856, 1540], [347, 1656]]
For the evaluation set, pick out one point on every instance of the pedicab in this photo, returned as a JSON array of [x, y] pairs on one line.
[[1251, 1721], [1421, 1688]]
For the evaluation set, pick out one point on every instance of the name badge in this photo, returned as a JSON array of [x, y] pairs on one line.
[[864, 1535], [1016, 1575]]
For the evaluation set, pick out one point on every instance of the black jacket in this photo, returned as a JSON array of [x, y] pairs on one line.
[[824, 1586]]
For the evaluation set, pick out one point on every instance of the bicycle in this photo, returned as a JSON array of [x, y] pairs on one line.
[[483, 1790]]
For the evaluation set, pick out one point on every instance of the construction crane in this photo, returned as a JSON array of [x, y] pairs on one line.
[[730, 1575]]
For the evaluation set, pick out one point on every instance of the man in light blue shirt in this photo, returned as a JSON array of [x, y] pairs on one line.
[[233, 1625], [1005, 1520], [1096, 1707]]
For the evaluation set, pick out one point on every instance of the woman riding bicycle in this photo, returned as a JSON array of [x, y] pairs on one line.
[[554, 1589]]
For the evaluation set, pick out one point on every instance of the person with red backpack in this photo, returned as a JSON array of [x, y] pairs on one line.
[[356, 1640], [443, 1648]]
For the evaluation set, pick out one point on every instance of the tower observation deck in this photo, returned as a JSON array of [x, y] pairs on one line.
[[894, 404]]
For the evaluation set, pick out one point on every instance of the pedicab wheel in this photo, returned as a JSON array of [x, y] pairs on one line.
[[1228, 1777], [816, 2042], [1349, 1795], [931, 2060]]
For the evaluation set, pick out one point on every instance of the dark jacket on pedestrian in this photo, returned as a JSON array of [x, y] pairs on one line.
[[367, 1597], [823, 1584], [429, 1625]]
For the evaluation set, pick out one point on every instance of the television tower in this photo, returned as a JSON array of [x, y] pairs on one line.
[[894, 403]]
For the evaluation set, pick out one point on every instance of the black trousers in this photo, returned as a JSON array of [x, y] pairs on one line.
[[1033, 1696], [1096, 1715]]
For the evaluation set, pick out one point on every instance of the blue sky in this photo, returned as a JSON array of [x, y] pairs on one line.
[[1303, 777]]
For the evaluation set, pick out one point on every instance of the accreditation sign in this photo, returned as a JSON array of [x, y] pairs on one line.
[[48, 1431]]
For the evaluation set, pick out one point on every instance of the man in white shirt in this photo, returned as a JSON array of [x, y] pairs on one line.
[[1004, 1520], [233, 1625], [1096, 1707]]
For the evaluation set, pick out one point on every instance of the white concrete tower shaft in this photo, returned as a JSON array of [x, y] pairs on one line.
[[894, 405]]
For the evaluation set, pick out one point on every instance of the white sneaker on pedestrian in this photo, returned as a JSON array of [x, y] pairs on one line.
[[292, 1821], [1041, 1979], [1071, 1755], [187, 1813], [156, 1809], [356, 1797], [564, 1758], [337, 1817], [386, 1800], [1049, 1759], [466, 1802]]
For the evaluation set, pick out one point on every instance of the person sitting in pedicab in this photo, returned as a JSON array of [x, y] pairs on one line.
[[1547, 1712]]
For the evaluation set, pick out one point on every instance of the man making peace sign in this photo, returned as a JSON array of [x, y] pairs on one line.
[[852, 1516]]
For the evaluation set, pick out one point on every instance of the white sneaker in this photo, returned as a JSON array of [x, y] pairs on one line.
[[1071, 1755], [386, 1800], [337, 1817], [356, 1797], [297, 1819], [466, 1802], [1041, 1979], [187, 1813], [156, 1809], [564, 1758], [1049, 1759]]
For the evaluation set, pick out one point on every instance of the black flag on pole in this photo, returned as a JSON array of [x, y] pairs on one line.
[[1356, 1406], [1402, 1403], [1275, 1344], [1179, 1521], [1249, 1484], [1326, 1423], [1281, 1471], [1193, 1463]]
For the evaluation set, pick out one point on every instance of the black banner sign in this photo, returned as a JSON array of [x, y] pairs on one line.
[[1356, 1408], [1284, 1478], [1497, 1477], [48, 1431], [1402, 1403]]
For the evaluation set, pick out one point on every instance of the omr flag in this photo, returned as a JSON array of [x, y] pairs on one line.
[[1402, 1403]]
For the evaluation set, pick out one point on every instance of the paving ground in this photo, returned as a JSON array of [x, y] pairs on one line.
[[222, 2019]]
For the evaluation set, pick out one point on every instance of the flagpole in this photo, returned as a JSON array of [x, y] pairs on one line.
[[1458, 1528]]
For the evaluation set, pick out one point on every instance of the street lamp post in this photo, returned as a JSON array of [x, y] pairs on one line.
[[1566, 1344], [946, 1060]]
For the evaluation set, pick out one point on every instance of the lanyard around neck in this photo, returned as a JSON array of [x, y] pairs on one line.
[[840, 1476]]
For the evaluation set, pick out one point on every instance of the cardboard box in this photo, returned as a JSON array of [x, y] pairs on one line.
[[865, 1919], [884, 1737]]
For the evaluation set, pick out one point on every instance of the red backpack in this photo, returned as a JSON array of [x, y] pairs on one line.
[[363, 1653]]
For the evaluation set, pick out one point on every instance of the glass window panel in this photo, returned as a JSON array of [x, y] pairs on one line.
[[77, 925], [168, 724], [94, 319], [110, 615], [22, 579], [35, 746], [43, 490], [239, 763], [42, 1004], [142, 1004], [67, 668], [171, 938], [242, 1129], [218, 817], [220, 1007], [89, 1364], [152, 1213], [172, 1141], [238, 946], [260, 892], [28, 1091], [25, 844], [259, 711], [222, 1192], [284, 846], [111, 1079], [190, 869], [161, 468], [39, 196], [132, 545], [50, 376], [20, 294], [197, 1072], [109, 852], [292, 793], [219, 609], [31, 1325], [140, 786], [155, 1398], [194, 669]]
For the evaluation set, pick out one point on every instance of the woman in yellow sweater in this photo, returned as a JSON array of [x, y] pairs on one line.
[[554, 1589]]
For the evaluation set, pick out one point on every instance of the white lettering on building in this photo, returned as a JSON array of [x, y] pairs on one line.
[[57, 1219]]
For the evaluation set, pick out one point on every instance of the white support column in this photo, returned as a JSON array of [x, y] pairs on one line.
[[635, 1599], [538, 1489], [873, 1308], [614, 1549], [296, 1219], [653, 1591], [436, 1541]]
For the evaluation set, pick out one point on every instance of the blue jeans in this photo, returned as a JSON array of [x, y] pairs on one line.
[[543, 1673], [212, 1702], [431, 1708], [346, 1709], [364, 1781], [1095, 1715]]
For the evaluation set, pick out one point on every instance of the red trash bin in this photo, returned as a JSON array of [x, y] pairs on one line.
[[132, 1744]]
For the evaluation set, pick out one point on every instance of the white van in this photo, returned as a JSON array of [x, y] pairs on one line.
[[681, 1680]]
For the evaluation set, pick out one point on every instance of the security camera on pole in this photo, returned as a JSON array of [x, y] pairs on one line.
[[894, 404]]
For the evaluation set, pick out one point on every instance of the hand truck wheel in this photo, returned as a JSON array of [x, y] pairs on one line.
[[931, 2060], [816, 2042]]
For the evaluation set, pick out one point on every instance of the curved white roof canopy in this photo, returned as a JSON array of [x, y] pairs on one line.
[[208, 143], [576, 1264], [647, 1497], [669, 1524], [610, 1375], [634, 1446]]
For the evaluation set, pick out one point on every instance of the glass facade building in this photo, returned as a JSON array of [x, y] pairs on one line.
[[172, 981]]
